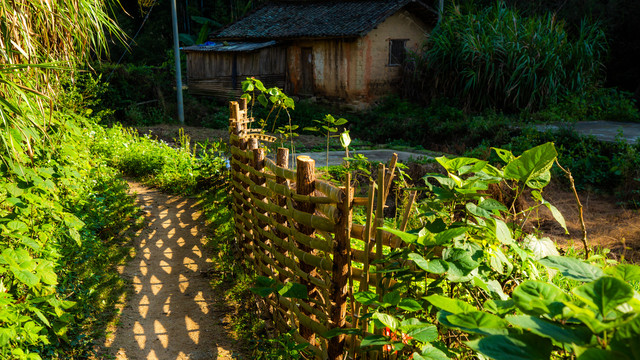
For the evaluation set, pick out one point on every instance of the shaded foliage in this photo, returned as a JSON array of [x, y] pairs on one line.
[[496, 58]]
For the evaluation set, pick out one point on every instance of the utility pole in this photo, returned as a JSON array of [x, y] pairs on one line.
[[176, 52]]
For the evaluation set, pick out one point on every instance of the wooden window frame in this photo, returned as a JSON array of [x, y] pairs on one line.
[[393, 58]]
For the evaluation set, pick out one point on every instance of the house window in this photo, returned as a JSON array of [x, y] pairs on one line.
[[397, 51]]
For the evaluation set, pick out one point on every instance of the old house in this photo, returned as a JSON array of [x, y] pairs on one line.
[[346, 50]]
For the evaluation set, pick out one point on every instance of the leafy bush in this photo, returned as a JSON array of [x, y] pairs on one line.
[[599, 104], [470, 281], [58, 218], [495, 58]]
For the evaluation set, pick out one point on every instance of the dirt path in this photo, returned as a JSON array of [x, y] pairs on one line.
[[172, 312]]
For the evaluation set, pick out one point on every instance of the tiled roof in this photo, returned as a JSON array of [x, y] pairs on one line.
[[310, 19]]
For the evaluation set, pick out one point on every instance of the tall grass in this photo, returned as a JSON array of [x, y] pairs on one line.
[[42, 41], [496, 58]]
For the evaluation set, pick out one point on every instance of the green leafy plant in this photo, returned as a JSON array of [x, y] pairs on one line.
[[598, 319], [471, 247], [279, 101], [329, 128]]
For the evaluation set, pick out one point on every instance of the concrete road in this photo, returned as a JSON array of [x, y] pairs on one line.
[[602, 130]]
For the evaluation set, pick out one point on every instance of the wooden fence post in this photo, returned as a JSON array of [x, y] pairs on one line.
[[379, 222], [235, 129], [306, 185], [340, 272], [282, 160]]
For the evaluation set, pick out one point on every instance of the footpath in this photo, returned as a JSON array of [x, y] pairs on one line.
[[172, 312]]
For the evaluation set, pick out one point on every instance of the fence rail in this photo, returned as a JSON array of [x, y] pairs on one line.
[[296, 228]]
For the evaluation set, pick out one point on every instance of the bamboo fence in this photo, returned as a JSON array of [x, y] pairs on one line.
[[294, 227]]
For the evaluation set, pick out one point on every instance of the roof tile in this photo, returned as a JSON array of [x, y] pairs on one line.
[[281, 20]]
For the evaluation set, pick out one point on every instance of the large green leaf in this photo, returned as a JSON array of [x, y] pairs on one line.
[[404, 236], [409, 305], [453, 306], [461, 264], [492, 205], [532, 167], [293, 290], [6, 334], [605, 294], [502, 347], [625, 272], [539, 298], [46, 272], [427, 333], [503, 234], [419, 330], [499, 307], [374, 340], [600, 354], [491, 286], [17, 227], [573, 268], [436, 266], [365, 297], [392, 298], [476, 322], [450, 234], [504, 155], [430, 353], [474, 209], [455, 164], [589, 317], [388, 320], [544, 328], [541, 247]]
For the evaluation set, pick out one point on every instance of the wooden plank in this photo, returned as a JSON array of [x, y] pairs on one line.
[[280, 172], [331, 191], [341, 261], [286, 191], [330, 211], [305, 185]]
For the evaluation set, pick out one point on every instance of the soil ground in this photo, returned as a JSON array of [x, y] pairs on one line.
[[609, 225], [172, 312]]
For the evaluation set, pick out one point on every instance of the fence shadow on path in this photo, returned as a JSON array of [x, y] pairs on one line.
[[171, 312]]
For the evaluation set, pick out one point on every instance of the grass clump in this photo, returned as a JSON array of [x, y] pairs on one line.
[[180, 170]]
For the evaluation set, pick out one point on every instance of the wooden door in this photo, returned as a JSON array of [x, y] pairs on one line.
[[306, 67]]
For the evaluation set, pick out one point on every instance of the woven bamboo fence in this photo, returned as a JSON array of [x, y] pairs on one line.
[[294, 227]]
